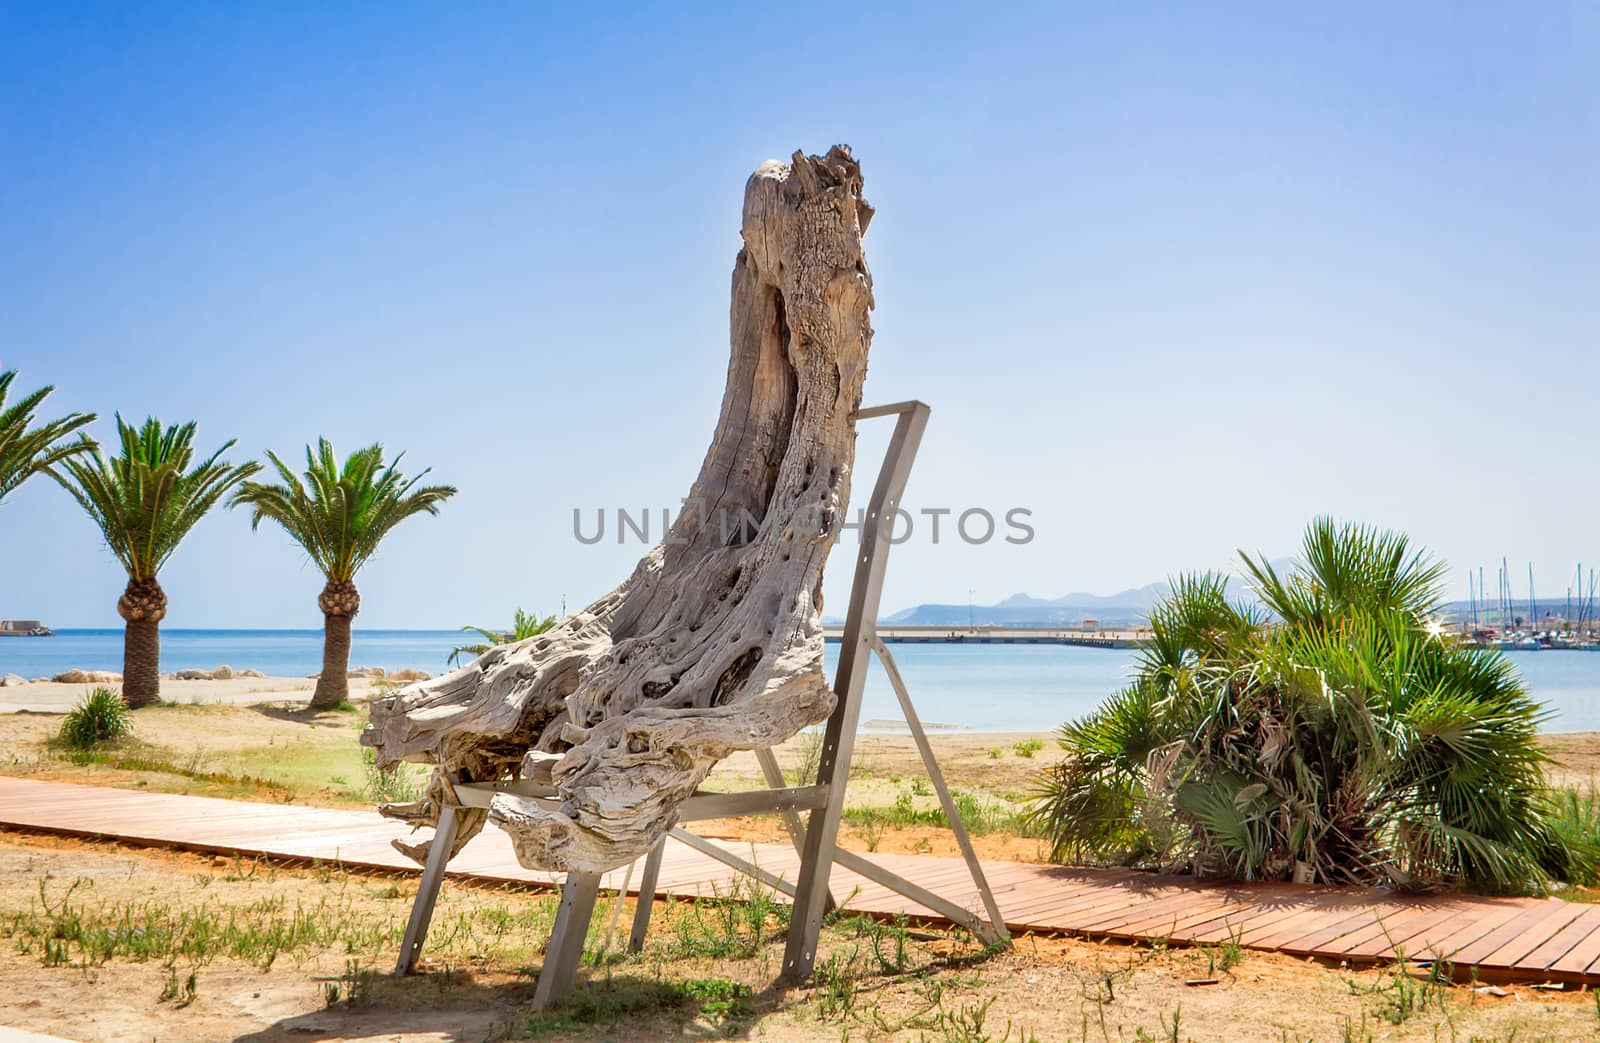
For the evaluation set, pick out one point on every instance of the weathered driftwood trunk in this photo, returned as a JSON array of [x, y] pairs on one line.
[[713, 644]]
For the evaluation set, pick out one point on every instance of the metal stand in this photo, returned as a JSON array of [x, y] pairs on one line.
[[823, 801]]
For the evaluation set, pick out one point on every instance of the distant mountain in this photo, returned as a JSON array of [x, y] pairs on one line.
[[1128, 608], [1069, 610]]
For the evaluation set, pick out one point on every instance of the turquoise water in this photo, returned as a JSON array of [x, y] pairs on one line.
[[277, 653], [974, 687]]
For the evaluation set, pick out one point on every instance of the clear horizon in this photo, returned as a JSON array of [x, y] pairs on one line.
[[1174, 281]]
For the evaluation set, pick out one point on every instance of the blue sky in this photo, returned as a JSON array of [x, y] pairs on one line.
[[1174, 279]]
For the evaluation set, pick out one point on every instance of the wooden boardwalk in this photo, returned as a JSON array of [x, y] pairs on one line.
[[1521, 939]]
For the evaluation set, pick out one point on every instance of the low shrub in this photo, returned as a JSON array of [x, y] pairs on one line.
[[100, 718], [1331, 734]]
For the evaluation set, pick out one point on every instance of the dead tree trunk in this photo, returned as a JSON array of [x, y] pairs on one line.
[[714, 643]]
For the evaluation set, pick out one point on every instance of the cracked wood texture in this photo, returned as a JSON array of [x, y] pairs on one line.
[[714, 644]]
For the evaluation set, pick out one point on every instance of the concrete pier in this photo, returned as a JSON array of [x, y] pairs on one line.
[[994, 635]]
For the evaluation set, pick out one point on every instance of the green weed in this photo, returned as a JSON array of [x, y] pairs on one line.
[[178, 993], [391, 785], [1028, 747], [64, 930]]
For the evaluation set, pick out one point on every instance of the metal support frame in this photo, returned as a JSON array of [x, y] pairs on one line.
[[815, 836]]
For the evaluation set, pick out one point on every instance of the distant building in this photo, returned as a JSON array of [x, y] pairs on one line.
[[1090, 623], [24, 625]]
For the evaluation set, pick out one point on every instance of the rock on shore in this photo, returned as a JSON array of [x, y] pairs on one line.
[[87, 677], [221, 673]]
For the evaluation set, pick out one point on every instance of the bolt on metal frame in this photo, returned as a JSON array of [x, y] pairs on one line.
[[822, 802]]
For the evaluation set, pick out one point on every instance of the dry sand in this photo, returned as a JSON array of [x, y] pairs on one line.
[[485, 949], [50, 697]]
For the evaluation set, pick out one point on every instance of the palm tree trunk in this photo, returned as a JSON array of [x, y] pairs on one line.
[[143, 604], [339, 602], [333, 684], [141, 663]]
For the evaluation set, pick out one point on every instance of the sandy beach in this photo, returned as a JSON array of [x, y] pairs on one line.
[[53, 697]]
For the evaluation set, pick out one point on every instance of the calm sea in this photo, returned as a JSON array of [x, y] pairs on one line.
[[973, 687]]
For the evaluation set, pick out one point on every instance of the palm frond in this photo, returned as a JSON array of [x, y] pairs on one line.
[[340, 513], [524, 626], [27, 449], [147, 498]]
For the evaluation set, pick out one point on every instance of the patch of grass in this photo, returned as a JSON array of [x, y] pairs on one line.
[[354, 987], [66, 930], [1168, 1033], [890, 943], [809, 746], [1402, 994], [183, 993], [392, 785], [872, 827], [835, 985], [718, 997], [152, 760], [1575, 817], [979, 814], [734, 924], [1224, 957], [1028, 747], [99, 719], [968, 1024], [617, 1000], [995, 753]]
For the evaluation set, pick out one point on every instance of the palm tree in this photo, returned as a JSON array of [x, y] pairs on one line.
[[25, 452], [339, 515], [1335, 736], [145, 500], [523, 626]]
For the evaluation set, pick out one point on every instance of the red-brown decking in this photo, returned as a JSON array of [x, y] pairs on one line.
[[1527, 939]]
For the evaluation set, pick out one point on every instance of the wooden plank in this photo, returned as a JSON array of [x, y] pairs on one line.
[[1546, 918], [1475, 922], [1529, 938], [1563, 941], [1139, 910], [1388, 934], [1577, 960], [1512, 952], [1319, 939], [1171, 916]]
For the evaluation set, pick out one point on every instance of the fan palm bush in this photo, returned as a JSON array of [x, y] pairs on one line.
[[100, 717], [145, 500], [523, 626], [339, 514], [1333, 736], [26, 451]]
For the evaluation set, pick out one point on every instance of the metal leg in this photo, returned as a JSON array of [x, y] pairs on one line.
[[936, 776], [444, 838], [901, 886], [727, 858], [774, 776], [822, 828], [565, 951], [791, 819], [647, 896], [616, 907]]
